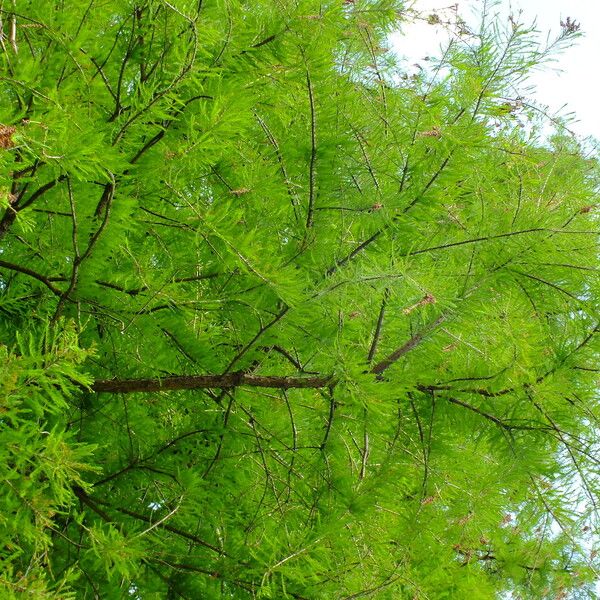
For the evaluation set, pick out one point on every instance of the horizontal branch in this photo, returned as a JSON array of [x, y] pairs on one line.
[[239, 378], [192, 382]]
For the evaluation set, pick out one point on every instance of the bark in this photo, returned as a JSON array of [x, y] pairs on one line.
[[191, 382]]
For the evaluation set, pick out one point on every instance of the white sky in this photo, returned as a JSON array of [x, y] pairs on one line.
[[572, 79]]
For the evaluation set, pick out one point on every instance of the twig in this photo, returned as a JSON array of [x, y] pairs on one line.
[[377, 333], [412, 343]]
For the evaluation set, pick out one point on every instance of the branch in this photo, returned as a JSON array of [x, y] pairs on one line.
[[493, 394], [313, 155], [144, 288], [193, 382], [429, 183], [377, 333], [293, 198], [484, 414], [11, 212], [76, 258], [26, 271], [40, 192], [260, 332], [493, 237], [165, 125], [549, 284], [414, 341], [332, 407], [341, 262], [93, 505]]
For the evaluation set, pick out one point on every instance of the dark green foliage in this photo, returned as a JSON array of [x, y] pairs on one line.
[[392, 282]]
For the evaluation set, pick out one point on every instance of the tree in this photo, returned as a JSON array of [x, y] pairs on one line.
[[281, 321]]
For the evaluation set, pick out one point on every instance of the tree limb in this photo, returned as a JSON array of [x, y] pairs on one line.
[[192, 382]]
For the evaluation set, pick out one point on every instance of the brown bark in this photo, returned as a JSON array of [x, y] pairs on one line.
[[191, 382], [414, 341]]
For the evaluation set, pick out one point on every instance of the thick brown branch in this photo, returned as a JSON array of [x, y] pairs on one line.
[[191, 382]]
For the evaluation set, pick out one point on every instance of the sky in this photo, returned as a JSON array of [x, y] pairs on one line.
[[570, 81]]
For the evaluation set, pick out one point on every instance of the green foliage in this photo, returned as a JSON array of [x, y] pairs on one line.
[[391, 282], [40, 461]]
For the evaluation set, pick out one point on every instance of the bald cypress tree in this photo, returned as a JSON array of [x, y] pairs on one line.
[[279, 320]]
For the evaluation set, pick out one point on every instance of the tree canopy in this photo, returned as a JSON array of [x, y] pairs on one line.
[[279, 319]]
